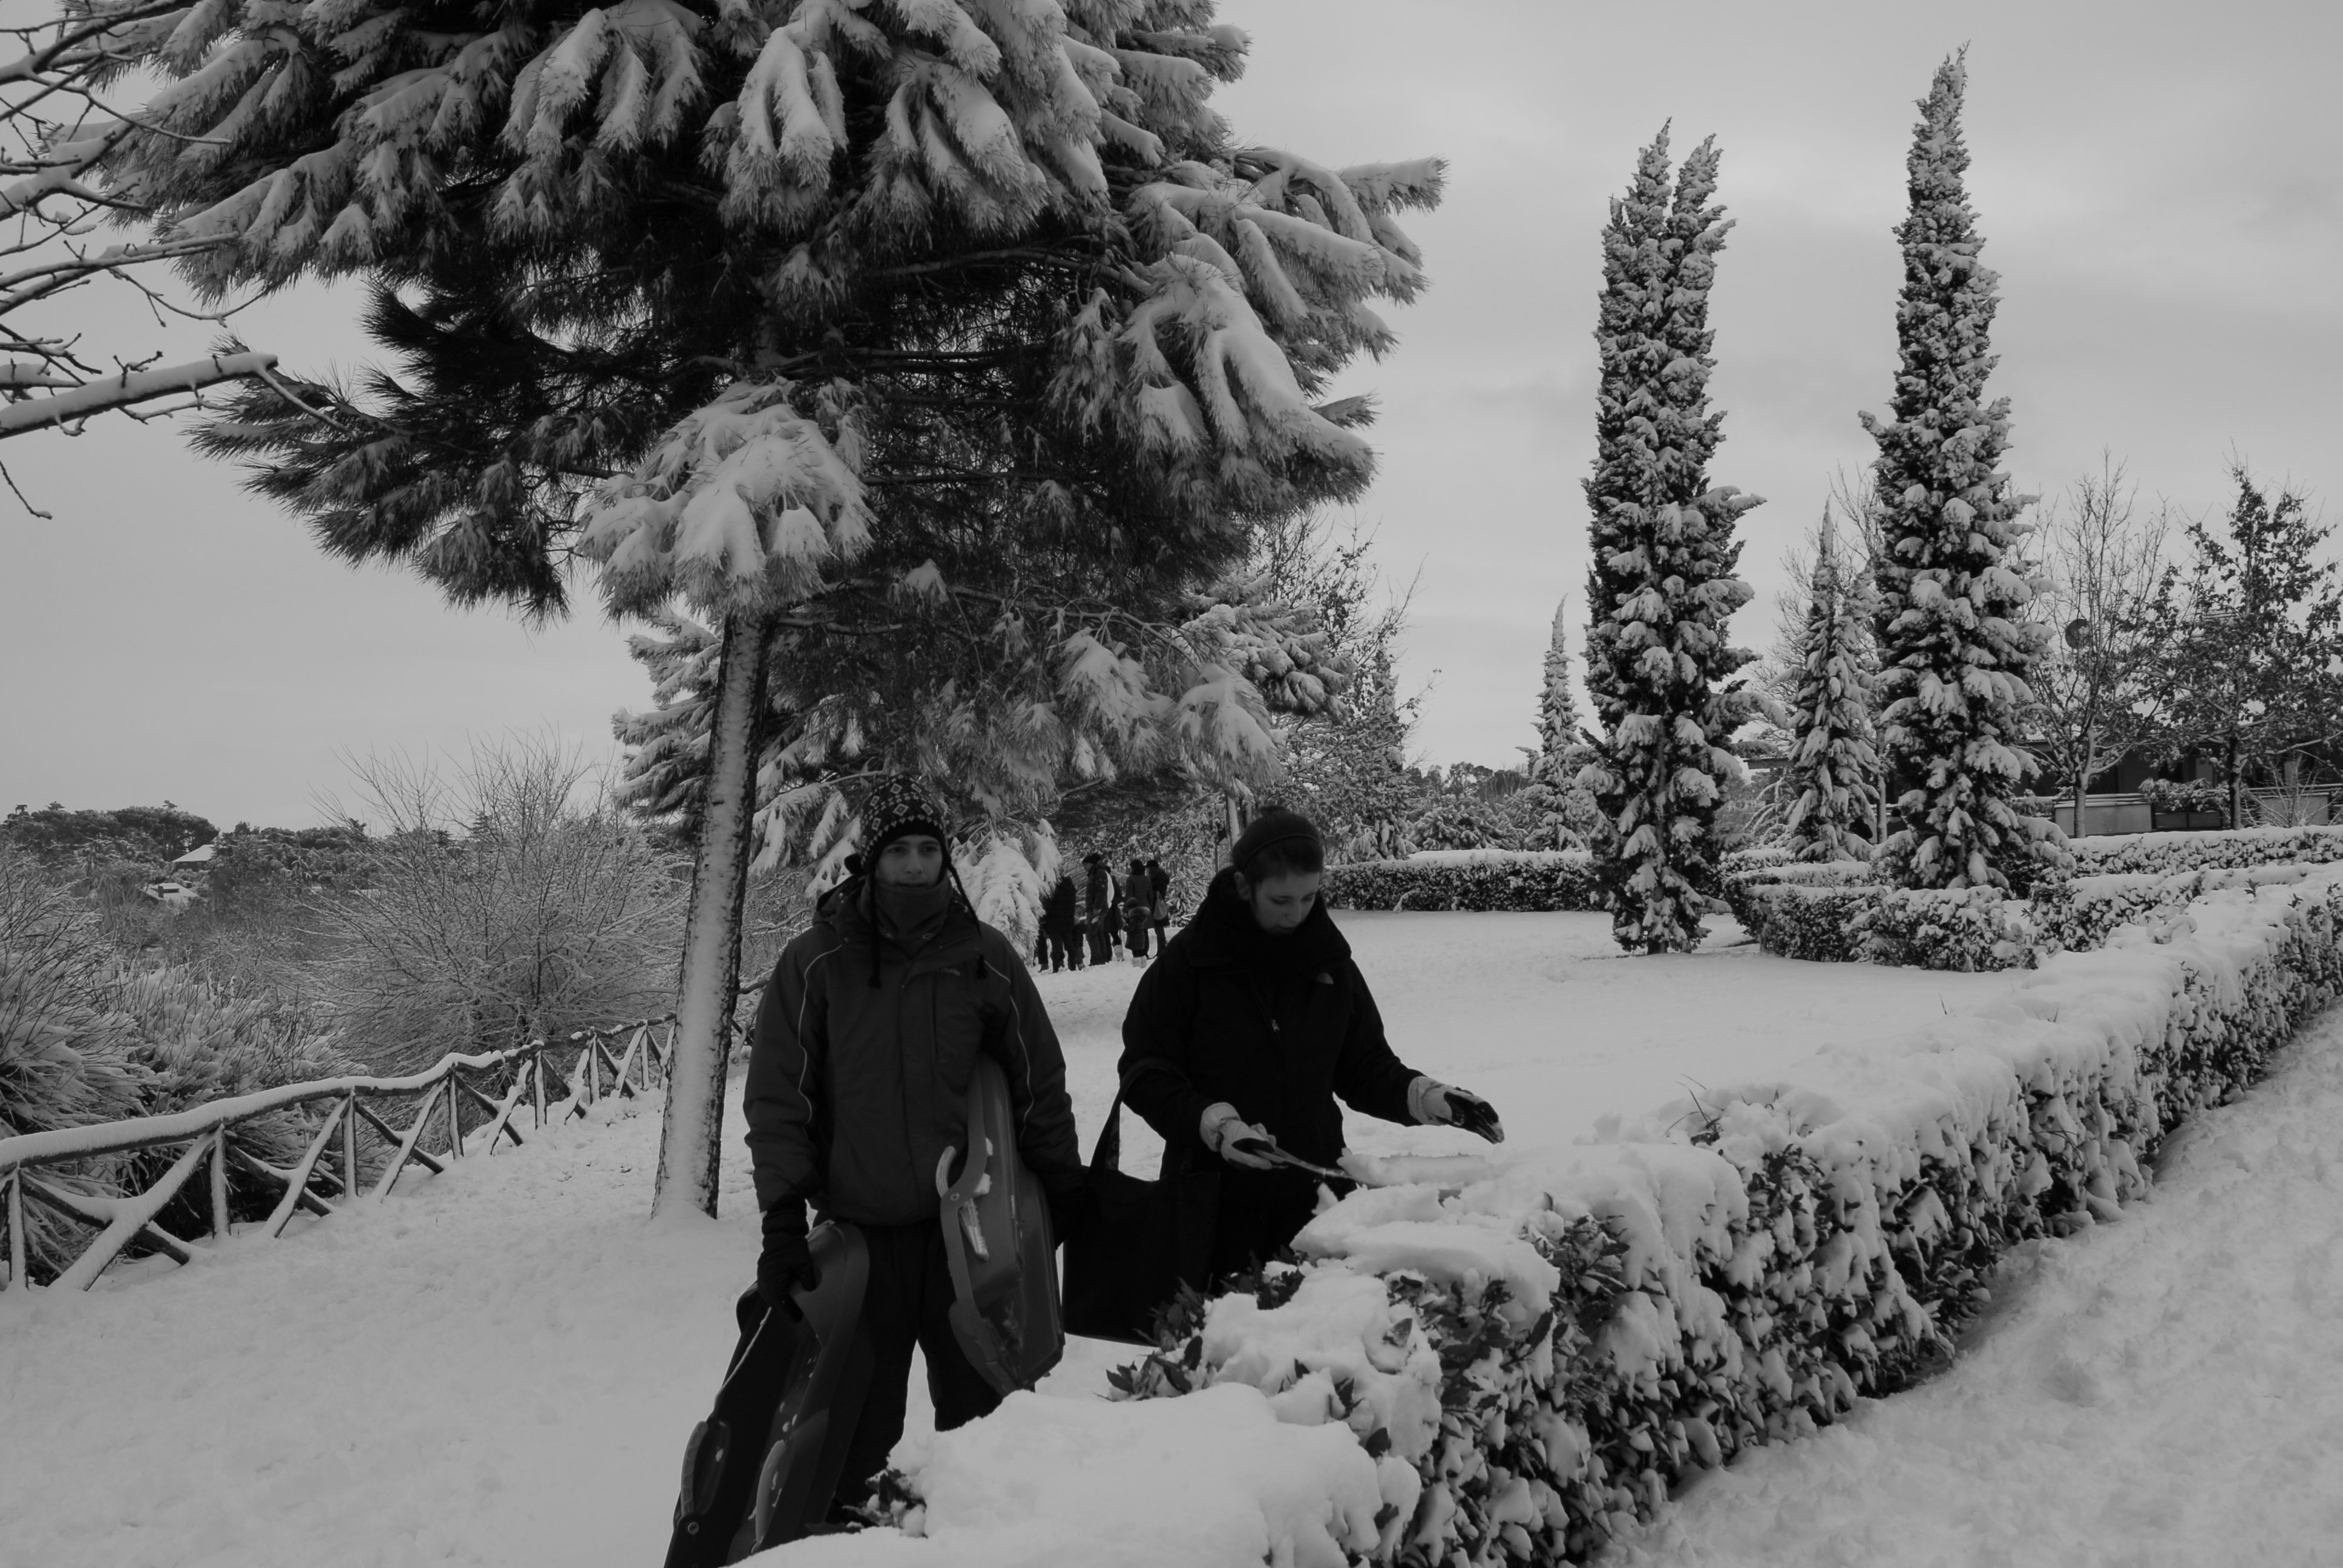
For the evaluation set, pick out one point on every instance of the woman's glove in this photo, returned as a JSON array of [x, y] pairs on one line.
[[1225, 1133], [1435, 1103], [785, 1261]]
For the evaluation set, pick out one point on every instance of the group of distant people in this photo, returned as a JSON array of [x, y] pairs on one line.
[[1105, 913]]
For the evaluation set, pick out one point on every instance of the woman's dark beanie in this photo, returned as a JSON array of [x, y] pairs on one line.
[[1270, 828]]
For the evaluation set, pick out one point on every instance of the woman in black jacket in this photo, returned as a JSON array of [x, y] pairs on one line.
[[1246, 1029]]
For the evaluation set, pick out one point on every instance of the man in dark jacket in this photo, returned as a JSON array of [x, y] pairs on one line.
[[1060, 921], [1240, 1036], [1098, 908], [857, 1080]]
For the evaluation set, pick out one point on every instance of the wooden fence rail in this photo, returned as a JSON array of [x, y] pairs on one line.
[[439, 1100]]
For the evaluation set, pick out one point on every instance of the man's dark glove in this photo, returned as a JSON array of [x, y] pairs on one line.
[[1070, 1209], [785, 1261]]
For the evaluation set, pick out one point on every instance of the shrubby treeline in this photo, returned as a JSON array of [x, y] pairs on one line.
[[475, 910]]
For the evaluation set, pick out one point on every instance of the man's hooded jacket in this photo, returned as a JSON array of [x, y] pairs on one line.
[[864, 1047]]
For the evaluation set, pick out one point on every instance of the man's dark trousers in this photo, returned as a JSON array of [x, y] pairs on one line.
[[906, 1304]]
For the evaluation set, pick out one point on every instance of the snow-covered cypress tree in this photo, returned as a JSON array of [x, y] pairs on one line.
[[1954, 644], [947, 352], [1831, 782], [1558, 726], [1662, 588]]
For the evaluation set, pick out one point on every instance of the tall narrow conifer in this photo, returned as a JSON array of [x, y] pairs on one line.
[[1832, 780], [1662, 587], [1953, 584], [1558, 723]]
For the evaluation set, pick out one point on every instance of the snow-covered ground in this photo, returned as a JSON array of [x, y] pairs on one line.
[[500, 1365], [2163, 1392]]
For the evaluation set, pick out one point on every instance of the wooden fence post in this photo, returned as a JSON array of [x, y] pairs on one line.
[[455, 1120], [350, 1147], [219, 1185], [594, 1067]]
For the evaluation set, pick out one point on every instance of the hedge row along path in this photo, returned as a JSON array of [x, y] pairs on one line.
[[2167, 1391]]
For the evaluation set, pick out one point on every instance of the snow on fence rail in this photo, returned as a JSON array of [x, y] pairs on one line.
[[446, 1090]]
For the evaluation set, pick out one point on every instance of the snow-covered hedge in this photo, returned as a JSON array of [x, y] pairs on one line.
[[2165, 853], [1744, 882], [1534, 1353], [1531, 1350], [2079, 914], [1802, 920], [1478, 879], [1947, 928]]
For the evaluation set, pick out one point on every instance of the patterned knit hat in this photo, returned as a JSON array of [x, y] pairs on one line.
[[896, 806]]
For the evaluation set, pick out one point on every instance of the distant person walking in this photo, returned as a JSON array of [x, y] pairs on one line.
[[1098, 908], [1241, 1037], [1137, 906], [1159, 880], [1061, 925]]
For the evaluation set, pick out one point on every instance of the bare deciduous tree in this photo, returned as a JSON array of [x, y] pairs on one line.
[[503, 910], [2109, 590]]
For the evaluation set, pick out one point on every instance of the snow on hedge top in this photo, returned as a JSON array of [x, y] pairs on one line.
[[1224, 1475], [2126, 853], [1492, 857], [1869, 1115]]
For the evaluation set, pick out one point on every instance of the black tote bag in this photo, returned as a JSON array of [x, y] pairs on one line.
[[1143, 1239]]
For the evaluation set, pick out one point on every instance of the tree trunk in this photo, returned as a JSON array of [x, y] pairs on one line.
[[2082, 786], [691, 1139], [2237, 817]]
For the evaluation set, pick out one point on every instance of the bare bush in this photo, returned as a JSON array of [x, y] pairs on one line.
[[501, 910]]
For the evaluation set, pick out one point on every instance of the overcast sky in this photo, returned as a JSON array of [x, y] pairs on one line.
[[2157, 186]]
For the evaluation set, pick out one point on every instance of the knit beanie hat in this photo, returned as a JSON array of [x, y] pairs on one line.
[[896, 805], [1275, 826]]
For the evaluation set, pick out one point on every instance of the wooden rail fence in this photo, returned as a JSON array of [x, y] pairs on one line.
[[491, 1087]]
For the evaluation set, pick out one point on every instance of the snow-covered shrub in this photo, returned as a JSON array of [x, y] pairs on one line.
[[1551, 1348], [198, 1042], [65, 1044], [501, 912], [1817, 921], [2168, 852], [1972, 928], [1743, 882], [2081, 913], [1478, 879]]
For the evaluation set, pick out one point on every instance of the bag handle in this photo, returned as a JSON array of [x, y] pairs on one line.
[[1108, 1153]]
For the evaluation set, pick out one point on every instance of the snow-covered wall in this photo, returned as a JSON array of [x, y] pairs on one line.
[[1529, 1354]]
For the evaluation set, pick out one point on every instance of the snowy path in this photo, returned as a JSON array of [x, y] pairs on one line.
[[2164, 1393], [500, 1365]]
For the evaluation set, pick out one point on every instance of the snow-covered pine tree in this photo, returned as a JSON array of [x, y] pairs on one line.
[[1662, 588], [1558, 725], [1955, 643], [953, 343], [1832, 777]]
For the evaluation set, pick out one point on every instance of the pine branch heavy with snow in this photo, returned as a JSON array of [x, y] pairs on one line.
[[949, 353], [1954, 584], [1662, 587]]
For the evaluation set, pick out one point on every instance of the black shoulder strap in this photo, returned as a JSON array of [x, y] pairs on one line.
[[1108, 1153]]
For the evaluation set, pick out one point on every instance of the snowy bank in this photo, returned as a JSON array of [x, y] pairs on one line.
[[1534, 1351]]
